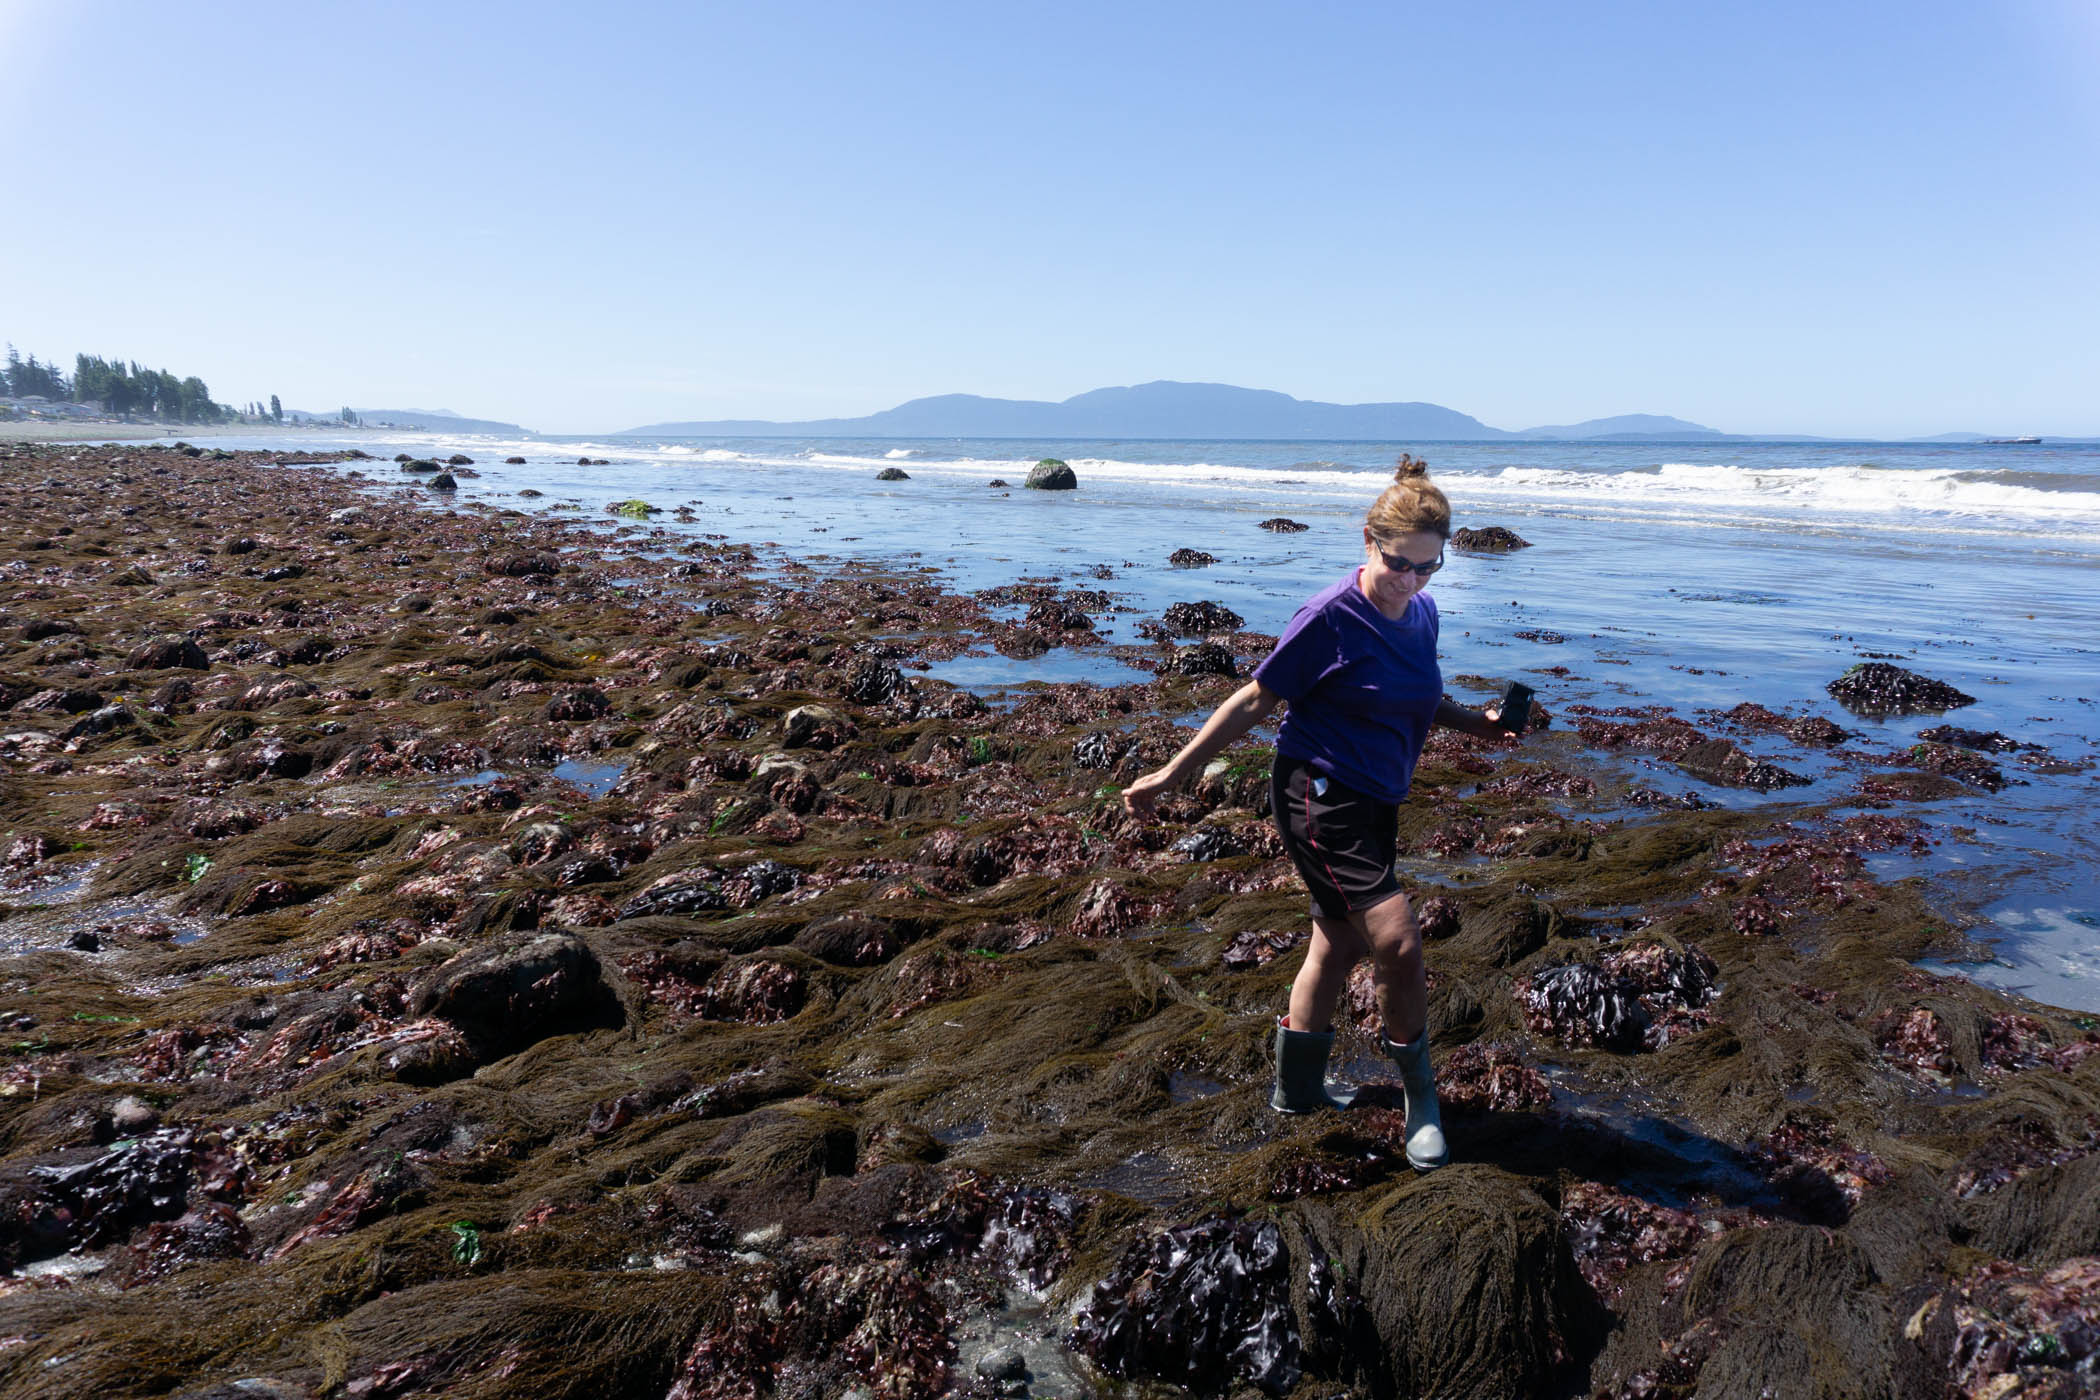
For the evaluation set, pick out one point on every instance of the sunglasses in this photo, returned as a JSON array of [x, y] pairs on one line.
[[1401, 566]]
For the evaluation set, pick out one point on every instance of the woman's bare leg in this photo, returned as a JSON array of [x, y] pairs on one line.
[[1396, 960], [1337, 946]]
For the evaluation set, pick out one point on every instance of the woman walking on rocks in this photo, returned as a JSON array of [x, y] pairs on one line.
[[1358, 669]]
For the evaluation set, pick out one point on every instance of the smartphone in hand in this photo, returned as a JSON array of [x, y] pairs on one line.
[[1514, 708]]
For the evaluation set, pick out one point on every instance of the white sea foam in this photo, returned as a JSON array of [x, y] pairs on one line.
[[1846, 492], [1872, 496]]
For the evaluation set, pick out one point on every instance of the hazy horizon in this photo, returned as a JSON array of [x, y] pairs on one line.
[[1869, 222]]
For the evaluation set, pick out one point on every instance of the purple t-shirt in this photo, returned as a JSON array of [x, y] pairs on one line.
[[1363, 689]]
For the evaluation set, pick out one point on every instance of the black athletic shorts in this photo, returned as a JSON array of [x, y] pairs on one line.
[[1340, 839]]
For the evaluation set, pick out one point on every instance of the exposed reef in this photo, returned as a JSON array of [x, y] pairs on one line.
[[452, 951]]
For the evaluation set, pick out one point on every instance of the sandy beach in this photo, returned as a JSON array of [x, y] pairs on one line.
[[464, 951], [59, 430]]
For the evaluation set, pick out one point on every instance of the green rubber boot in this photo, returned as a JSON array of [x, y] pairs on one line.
[[1426, 1148], [1301, 1073]]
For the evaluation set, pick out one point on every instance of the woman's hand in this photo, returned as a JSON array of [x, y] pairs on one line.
[[1242, 710], [1481, 724], [1140, 797]]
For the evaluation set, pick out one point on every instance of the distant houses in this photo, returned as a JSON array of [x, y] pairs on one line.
[[38, 406]]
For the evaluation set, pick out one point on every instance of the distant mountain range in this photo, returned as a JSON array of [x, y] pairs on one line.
[[1162, 409], [1168, 409]]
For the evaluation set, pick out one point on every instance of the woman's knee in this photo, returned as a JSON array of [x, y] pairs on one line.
[[1330, 960], [1391, 930]]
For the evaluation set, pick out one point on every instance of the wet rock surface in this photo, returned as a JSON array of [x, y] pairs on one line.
[[1488, 539], [524, 961], [1050, 474], [1199, 619], [1878, 688]]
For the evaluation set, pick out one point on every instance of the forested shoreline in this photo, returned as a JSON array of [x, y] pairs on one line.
[[124, 389]]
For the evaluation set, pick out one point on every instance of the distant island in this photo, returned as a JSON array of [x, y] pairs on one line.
[[1169, 409]]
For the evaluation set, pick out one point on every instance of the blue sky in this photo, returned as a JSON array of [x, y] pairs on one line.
[[1864, 218]]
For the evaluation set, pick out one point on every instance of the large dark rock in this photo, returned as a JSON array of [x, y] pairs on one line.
[[518, 990], [1050, 474], [1489, 539], [893, 474]]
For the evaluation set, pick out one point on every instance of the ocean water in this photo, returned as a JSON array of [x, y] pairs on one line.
[[1689, 574]]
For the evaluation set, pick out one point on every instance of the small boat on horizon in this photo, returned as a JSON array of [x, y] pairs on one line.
[[2011, 442]]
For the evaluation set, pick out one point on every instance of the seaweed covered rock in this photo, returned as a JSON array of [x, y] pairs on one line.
[[1050, 474], [517, 990], [1630, 999], [1102, 749], [1720, 761], [851, 939], [525, 564], [1468, 1282], [1201, 1305], [1876, 688], [582, 703], [876, 683], [1187, 558], [1209, 843], [1059, 615], [1200, 619], [1982, 740], [893, 474], [1282, 525], [1202, 659], [168, 653], [101, 1200], [815, 727], [682, 892], [1489, 539]]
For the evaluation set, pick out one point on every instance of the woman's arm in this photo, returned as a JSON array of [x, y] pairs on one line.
[[1245, 708], [1481, 724]]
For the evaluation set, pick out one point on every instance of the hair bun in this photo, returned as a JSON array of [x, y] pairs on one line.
[[1411, 469]]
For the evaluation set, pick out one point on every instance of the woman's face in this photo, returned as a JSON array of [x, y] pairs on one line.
[[1389, 588]]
